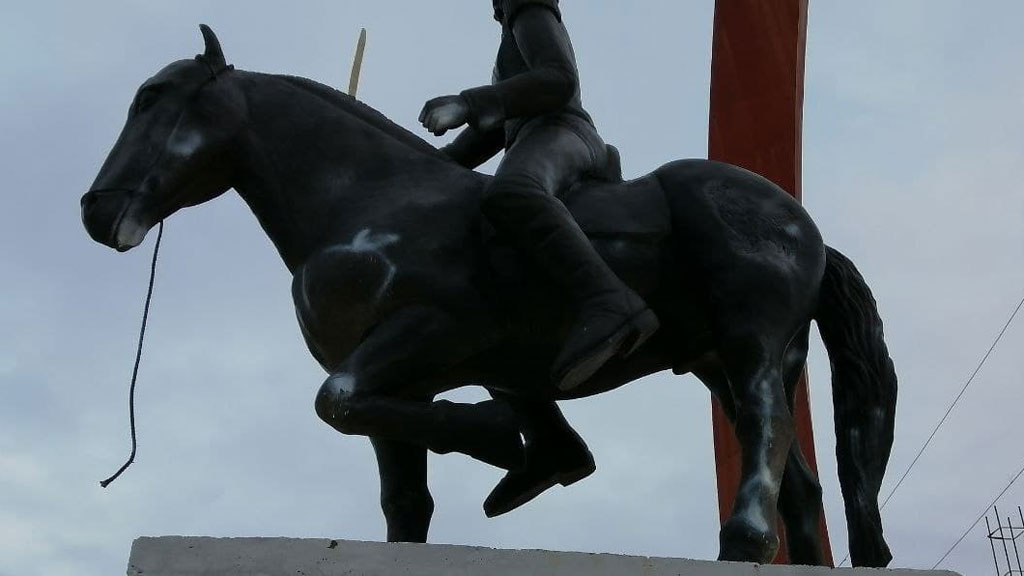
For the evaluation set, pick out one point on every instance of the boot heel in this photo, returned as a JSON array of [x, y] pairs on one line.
[[584, 368], [643, 325], [570, 478]]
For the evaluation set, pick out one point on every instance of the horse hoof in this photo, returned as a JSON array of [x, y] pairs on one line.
[[741, 542], [868, 549]]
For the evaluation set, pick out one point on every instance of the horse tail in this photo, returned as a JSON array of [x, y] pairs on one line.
[[864, 399]]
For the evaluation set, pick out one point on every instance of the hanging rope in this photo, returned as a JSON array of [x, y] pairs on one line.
[[138, 358]]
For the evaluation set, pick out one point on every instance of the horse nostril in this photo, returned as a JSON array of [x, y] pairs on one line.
[[88, 200]]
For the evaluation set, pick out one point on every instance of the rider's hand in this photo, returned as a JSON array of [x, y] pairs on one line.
[[442, 114]]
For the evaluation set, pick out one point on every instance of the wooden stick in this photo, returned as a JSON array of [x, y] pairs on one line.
[[357, 65]]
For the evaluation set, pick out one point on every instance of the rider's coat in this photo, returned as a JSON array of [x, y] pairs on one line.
[[535, 74]]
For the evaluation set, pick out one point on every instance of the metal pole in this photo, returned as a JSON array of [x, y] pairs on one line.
[[1006, 549], [1013, 537], [992, 543], [1021, 512]]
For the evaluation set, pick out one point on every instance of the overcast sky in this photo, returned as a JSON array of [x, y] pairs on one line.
[[912, 161]]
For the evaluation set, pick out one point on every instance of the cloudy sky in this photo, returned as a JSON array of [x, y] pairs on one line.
[[912, 153]]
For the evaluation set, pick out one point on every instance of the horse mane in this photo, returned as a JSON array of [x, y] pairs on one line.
[[364, 112]]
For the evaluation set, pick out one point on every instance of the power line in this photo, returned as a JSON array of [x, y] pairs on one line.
[[951, 406], [985, 511], [948, 411]]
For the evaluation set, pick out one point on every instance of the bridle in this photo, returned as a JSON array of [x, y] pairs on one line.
[[214, 73]]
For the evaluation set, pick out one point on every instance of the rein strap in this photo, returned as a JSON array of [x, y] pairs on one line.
[[138, 358]]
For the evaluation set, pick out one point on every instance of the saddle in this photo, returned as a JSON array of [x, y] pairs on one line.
[[611, 211]]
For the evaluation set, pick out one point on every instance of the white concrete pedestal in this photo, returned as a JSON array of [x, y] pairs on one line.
[[193, 556]]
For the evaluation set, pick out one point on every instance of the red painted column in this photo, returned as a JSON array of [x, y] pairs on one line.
[[757, 77]]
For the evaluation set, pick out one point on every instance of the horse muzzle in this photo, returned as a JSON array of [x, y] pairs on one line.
[[107, 219]]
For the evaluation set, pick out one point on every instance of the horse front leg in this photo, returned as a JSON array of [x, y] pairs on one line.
[[404, 495], [369, 393], [765, 430]]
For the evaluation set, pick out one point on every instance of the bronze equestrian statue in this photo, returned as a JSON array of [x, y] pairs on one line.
[[403, 290]]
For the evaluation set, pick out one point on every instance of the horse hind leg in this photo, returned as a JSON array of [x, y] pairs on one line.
[[764, 428], [799, 485], [800, 493]]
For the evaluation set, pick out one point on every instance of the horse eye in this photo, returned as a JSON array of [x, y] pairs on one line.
[[146, 99]]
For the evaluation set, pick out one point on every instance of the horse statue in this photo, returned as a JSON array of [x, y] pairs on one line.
[[402, 292]]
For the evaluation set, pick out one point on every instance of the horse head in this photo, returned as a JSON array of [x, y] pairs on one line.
[[174, 150]]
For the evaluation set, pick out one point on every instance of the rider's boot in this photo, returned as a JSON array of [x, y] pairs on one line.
[[610, 318], [561, 458]]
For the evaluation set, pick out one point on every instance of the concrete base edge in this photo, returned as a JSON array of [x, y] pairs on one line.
[[198, 556]]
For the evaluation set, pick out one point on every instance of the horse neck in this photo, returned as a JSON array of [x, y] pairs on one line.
[[316, 163]]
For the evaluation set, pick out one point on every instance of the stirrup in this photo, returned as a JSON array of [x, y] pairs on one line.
[[629, 337]]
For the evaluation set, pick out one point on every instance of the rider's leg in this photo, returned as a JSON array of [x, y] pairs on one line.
[[555, 454], [610, 318]]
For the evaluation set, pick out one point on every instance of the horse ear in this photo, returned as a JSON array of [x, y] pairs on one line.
[[213, 55]]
